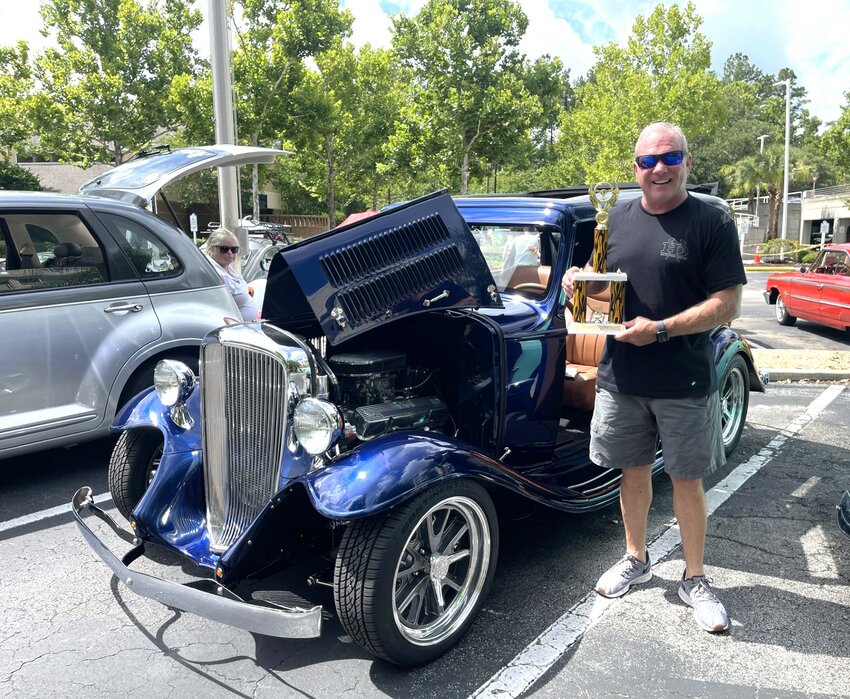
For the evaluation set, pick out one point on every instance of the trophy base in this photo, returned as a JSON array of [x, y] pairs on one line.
[[600, 276], [595, 328]]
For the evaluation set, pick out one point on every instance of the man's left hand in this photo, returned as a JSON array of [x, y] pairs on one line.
[[639, 331]]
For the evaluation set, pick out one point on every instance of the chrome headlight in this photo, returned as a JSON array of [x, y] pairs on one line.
[[173, 381], [317, 424]]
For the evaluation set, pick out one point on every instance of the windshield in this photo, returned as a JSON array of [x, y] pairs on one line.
[[508, 251]]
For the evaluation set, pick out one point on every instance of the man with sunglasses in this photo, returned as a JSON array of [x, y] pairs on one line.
[[656, 379]]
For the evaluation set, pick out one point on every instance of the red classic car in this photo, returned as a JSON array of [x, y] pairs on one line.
[[819, 292]]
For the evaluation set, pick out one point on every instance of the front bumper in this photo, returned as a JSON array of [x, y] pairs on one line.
[[218, 604], [766, 295]]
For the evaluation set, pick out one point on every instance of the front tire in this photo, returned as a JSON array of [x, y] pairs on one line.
[[783, 317], [734, 402], [132, 466], [409, 582]]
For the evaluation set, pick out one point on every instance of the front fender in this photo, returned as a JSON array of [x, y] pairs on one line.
[[146, 410], [387, 471]]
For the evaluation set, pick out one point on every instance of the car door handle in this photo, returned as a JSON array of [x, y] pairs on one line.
[[123, 308]]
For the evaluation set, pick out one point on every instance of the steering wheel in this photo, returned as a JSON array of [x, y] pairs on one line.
[[530, 286]]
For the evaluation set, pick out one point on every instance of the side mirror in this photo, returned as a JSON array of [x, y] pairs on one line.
[[803, 268]]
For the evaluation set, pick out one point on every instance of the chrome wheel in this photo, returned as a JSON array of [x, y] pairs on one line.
[[441, 571], [782, 315], [734, 401], [408, 582]]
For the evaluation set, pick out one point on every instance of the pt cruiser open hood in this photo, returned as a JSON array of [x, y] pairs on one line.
[[414, 258], [138, 180]]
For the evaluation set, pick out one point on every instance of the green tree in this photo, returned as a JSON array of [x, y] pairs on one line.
[[273, 39], [346, 109], [105, 86], [767, 171], [379, 90], [835, 145], [468, 100], [16, 86], [548, 80], [662, 74]]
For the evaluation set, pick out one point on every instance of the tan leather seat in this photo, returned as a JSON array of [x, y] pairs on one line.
[[583, 354], [530, 274]]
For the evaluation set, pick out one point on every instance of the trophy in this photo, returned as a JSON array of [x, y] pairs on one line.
[[603, 195]]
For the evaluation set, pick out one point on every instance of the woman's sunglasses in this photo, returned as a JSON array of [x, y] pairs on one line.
[[226, 248], [647, 162]]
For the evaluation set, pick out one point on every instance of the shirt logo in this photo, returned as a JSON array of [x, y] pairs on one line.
[[677, 249]]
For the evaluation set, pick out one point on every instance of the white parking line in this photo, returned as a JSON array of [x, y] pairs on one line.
[[544, 651], [46, 514]]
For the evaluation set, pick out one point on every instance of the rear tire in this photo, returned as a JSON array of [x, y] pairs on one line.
[[132, 466], [734, 402], [783, 317]]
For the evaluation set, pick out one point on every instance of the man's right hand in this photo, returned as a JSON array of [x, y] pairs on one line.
[[568, 281]]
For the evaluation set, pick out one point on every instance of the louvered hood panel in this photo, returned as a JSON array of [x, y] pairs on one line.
[[417, 257]]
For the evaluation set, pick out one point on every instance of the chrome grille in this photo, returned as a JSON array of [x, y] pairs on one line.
[[243, 403]]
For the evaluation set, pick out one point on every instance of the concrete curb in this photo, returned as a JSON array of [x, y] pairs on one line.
[[828, 375], [803, 365], [770, 268]]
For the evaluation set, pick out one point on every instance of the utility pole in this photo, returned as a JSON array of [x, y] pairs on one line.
[[787, 84], [225, 118], [761, 151]]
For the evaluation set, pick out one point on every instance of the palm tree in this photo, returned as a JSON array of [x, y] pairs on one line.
[[765, 170]]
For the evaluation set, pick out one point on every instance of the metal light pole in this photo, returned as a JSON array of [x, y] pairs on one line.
[[787, 84], [225, 126], [761, 150]]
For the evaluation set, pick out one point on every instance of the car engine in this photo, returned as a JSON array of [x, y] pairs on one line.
[[379, 393]]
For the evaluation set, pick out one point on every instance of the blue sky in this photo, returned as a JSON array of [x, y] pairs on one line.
[[813, 39]]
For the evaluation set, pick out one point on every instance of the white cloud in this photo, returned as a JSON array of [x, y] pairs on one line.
[[371, 23]]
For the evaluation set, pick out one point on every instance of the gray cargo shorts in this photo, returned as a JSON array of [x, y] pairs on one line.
[[625, 429]]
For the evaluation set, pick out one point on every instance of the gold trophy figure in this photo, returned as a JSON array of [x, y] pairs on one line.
[[603, 195]]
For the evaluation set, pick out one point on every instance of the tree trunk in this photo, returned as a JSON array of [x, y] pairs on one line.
[[464, 173], [255, 189], [375, 187], [255, 179], [773, 205], [329, 164]]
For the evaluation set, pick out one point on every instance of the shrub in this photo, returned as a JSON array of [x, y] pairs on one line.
[[15, 177]]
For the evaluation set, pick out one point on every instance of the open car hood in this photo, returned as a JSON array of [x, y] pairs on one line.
[[417, 257], [138, 180]]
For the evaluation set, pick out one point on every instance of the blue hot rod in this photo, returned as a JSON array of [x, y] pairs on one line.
[[408, 367]]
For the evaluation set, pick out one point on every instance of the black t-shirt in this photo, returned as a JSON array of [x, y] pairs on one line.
[[673, 261]]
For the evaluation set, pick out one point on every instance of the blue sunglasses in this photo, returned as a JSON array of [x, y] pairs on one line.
[[647, 162]]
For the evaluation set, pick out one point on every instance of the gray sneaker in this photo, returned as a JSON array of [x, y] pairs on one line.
[[628, 571], [708, 610]]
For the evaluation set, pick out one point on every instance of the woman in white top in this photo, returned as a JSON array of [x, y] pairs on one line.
[[223, 249]]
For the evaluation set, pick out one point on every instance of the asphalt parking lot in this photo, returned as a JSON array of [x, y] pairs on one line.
[[774, 553]]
